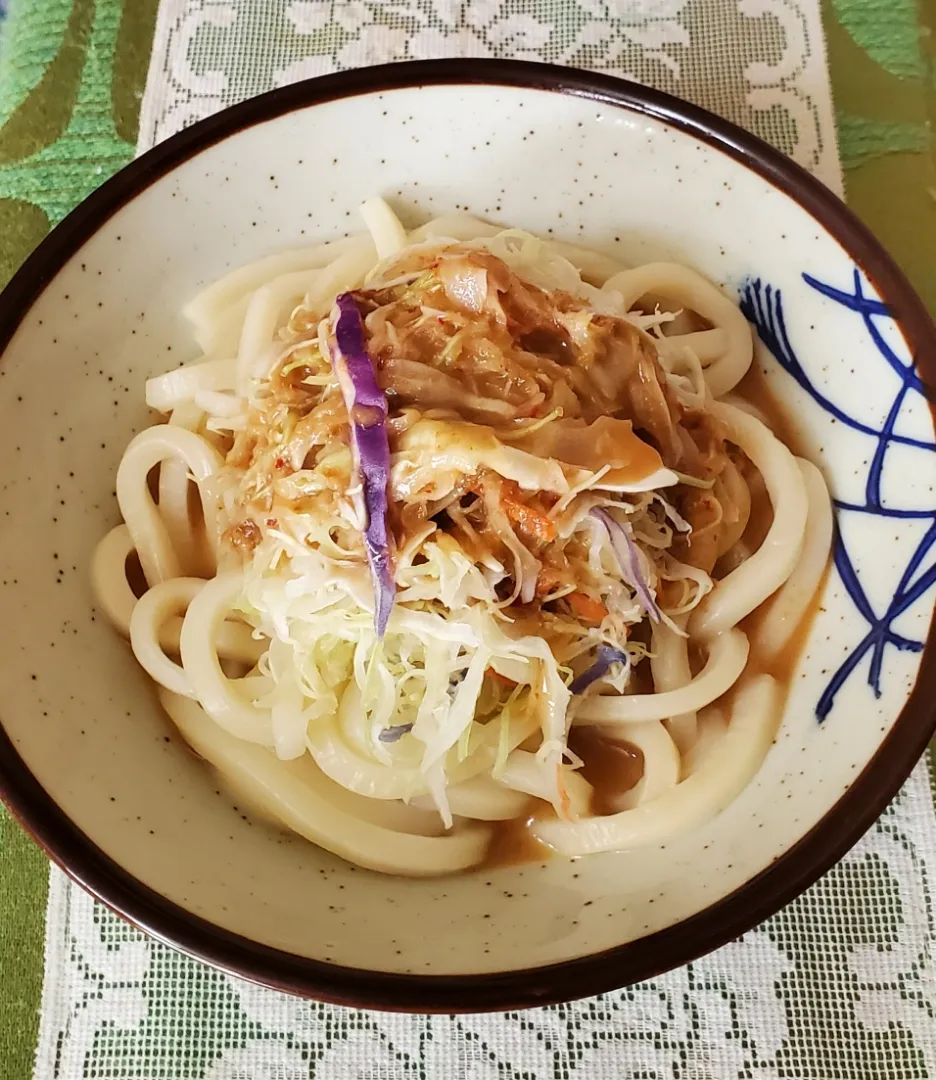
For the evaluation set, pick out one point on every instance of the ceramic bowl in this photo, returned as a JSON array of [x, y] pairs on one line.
[[91, 765]]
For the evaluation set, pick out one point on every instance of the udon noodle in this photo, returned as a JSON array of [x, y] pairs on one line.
[[433, 504]]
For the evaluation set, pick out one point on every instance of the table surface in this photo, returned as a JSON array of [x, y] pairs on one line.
[[881, 58], [884, 108]]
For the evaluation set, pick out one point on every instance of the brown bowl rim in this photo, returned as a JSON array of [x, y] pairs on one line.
[[760, 897]]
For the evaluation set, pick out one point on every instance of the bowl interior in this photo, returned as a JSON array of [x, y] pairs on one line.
[[82, 715]]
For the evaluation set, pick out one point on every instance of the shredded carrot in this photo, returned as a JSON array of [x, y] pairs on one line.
[[565, 803], [531, 521], [549, 579], [592, 611]]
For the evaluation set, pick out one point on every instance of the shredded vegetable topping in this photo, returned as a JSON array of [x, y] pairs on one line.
[[493, 444]]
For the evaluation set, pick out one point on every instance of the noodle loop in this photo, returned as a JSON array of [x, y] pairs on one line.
[[693, 292], [158, 558]]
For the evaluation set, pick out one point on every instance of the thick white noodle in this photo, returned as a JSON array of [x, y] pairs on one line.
[[460, 227], [345, 273], [719, 780], [481, 798], [713, 724], [727, 655], [304, 801], [792, 600], [592, 265], [681, 287], [707, 345], [388, 234], [209, 304], [358, 773], [116, 600], [745, 406], [662, 764], [147, 529], [669, 664], [109, 578], [188, 539], [388, 813], [152, 610], [749, 585], [219, 696], [222, 336], [167, 392], [523, 772], [235, 641], [221, 405], [256, 339], [374, 779]]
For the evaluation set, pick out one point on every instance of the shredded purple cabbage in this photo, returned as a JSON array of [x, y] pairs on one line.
[[606, 657], [367, 410], [395, 733], [625, 550]]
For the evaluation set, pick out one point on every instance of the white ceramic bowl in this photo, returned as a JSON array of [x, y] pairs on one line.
[[91, 765]]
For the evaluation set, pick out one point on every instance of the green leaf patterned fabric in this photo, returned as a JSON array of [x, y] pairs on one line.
[[72, 74], [23, 876], [885, 97], [71, 77], [887, 32], [71, 81]]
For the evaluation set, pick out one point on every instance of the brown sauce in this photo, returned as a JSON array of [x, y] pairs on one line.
[[614, 768], [783, 663], [754, 389], [514, 843], [606, 441], [611, 768], [135, 577]]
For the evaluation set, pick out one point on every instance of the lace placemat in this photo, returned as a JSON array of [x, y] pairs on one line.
[[760, 63], [842, 983]]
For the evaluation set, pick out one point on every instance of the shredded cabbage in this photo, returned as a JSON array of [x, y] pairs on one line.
[[458, 679]]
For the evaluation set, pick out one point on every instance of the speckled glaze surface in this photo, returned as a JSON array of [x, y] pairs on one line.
[[79, 713]]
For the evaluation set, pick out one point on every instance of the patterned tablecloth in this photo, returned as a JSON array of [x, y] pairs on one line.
[[842, 983]]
